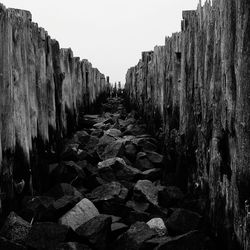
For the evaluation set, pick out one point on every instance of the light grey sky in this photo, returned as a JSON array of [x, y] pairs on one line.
[[109, 33]]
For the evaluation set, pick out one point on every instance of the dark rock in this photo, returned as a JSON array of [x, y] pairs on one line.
[[152, 174], [97, 231], [37, 207], [97, 132], [104, 141], [69, 152], [170, 196], [115, 149], [131, 151], [47, 235], [134, 238], [10, 245], [91, 146], [111, 191], [183, 221], [66, 172], [72, 246], [81, 137], [134, 216], [193, 240], [79, 214], [117, 229], [154, 157], [113, 132], [138, 206], [63, 189], [15, 229], [142, 162], [114, 208], [145, 190], [116, 169]]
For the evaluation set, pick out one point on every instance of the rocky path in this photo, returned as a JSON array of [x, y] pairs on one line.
[[106, 193]]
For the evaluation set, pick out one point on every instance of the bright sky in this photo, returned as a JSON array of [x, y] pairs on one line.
[[109, 33]]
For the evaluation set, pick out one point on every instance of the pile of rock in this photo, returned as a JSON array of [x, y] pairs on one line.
[[106, 195]]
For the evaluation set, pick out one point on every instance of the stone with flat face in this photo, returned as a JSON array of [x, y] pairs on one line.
[[79, 214]]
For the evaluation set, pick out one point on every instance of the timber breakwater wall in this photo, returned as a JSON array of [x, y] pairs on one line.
[[43, 90], [196, 89]]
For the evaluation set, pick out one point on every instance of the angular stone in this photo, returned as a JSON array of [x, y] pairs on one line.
[[63, 189], [10, 245], [81, 137], [134, 238], [145, 190], [130, 151], [115, 149], [183, 221], [47, 235], [158, 225], [116, 169], [152, 174], [138, 206], [154, 157], [113, 132], [97, 231], [104, 141], [79, 214], [117, 229], [91, 146], [72, 246], [110, 191], [194, 240], [142, 162], [15, 229]]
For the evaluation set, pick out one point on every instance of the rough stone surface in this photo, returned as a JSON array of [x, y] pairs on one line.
[[109, 191], [158, 225], [15, 229], [47, 235], [145, 189], [134, 238], [79, 214], [97, 231]]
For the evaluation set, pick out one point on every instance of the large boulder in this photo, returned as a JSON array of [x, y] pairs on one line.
[[183, 221], [134, 238], [97, 231], [15, 229], [147, 191], [79, 214]]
